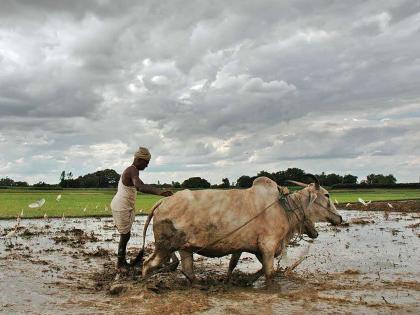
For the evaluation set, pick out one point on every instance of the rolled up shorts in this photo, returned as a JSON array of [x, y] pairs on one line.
[[123, 219]]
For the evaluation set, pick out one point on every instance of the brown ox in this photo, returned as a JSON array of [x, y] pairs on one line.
[[203, 221]]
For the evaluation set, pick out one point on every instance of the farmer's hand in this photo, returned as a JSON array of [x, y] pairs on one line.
[[166, 193]]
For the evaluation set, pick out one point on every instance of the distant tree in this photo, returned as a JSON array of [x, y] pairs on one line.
[[21, 184], [349, 179], [266, 174], [62, 182], [322, 179], [6, 181], [391, 179], [176, 185], [42, 184], [279, 177], [380, 179], [244, 181], [225, 183], [195, 182], [333, 179], [294, 173], [107, 178]]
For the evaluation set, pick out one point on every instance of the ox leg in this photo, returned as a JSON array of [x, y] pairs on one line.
[[255, 276], [187, 265], [268, 266], [232, 264], [174, 262], [158, 257]]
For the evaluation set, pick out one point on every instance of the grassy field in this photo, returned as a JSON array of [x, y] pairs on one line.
[[96, 201], [72, 203]]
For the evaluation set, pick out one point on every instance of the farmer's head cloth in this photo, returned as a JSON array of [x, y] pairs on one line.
[[142, 153]]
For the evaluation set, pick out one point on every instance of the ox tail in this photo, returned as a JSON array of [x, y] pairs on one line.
[[140, 255]]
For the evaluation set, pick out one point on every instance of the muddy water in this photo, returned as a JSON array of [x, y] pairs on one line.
[[61, 267]]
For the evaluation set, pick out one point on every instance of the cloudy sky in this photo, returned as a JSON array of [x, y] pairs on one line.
[[214, 88]]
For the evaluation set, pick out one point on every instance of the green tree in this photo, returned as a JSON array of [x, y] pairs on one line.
[[391, 179], [63, 182], [6, 181], [225, 183], [380, 179], [349, 179], [244, 181], [333, 179], [295, 173], [176, 184], [195, 182]]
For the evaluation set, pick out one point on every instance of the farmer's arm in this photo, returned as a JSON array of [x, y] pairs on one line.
[[148, 189]]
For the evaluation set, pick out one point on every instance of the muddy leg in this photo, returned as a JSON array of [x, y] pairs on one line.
[[158, 257], [232, 264], [174, 262], [268, 266], [187, 265], [122, 246], [255, 276]]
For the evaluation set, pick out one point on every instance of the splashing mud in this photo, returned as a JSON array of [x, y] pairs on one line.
[[367, 265]]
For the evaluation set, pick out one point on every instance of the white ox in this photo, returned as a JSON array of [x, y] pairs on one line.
[[216, 223]]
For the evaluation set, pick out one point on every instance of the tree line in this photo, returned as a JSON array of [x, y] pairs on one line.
[[109, 178]]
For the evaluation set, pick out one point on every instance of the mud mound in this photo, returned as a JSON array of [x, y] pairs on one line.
[[397, 206]]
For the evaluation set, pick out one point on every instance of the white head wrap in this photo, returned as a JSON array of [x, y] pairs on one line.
[[142, 153]]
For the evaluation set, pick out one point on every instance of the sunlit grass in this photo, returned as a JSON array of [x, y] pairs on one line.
[[96, 201], [72, 203]]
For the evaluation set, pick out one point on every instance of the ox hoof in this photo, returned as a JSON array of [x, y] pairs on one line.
[[199, 287], [272, 286], [117, 289]]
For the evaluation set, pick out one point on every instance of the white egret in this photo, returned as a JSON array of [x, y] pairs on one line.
[[45, 216], [58, 198], [11, 234], [348, 204], [21, 212], [37, 204], [389, 205], [362, 201], [84, 210], [335, 201]]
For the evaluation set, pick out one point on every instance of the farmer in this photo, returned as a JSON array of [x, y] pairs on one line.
[[123, 203]]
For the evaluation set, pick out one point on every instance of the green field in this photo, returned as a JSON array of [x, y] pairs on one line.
[[72, 203], [96, 201]]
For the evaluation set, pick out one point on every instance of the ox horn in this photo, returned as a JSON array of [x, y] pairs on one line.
[[316, 180], [297, 183]]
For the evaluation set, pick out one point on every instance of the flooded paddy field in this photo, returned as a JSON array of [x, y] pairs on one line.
[[369, 265]]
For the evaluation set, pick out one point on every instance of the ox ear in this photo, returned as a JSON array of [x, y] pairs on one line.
[[297, 183], [283, 190], [312, 197]]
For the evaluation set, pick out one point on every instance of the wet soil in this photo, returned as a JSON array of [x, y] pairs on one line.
[[394, 206], [370, 264]]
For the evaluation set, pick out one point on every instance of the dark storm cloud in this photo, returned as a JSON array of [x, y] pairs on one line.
[[212, 88]]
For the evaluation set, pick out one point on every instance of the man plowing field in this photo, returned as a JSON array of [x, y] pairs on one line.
[[123, 203]]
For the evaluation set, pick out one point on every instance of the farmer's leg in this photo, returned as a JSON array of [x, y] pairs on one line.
[[122, 249]]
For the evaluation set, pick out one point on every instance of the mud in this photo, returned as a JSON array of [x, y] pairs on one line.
[[367, 265], [396, 206]]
